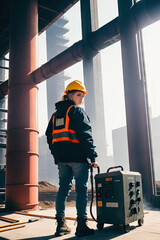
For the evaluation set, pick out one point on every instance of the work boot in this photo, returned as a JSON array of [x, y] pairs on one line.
[[82, 228], [62, 228]]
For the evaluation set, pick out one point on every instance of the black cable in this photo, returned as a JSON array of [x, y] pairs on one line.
[[92, 191]]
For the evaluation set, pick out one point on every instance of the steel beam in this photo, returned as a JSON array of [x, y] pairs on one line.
[[88, 68], [22, 131], [93, 78], [139, 145], [47, 8]]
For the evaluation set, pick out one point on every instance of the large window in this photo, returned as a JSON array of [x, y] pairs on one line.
[[114, 106], [151, 38], [113, 92]]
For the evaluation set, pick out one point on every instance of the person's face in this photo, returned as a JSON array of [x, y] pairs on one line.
[[78, 98]]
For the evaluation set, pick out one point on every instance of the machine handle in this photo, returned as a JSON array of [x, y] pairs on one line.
[[114, 168], [98, 169]]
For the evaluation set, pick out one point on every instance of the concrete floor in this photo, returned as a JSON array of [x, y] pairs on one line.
[[44, 228]]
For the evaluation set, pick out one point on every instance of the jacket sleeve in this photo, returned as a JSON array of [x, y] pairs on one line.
[[83, 131], [49, 133]]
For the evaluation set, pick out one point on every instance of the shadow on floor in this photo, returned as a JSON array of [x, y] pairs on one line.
[[107, 233]]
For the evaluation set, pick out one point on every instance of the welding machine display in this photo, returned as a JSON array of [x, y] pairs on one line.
[[119, 198]]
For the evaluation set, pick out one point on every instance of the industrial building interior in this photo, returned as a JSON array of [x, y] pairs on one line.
[[20, 24]]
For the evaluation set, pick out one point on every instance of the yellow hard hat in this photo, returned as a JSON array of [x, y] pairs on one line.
[[76, 85]]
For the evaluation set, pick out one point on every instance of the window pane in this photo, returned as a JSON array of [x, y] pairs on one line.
[[115, 116], [107, 11], [73, 15], [151, 38]]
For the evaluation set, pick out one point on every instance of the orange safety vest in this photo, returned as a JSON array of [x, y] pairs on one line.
[[64, 134]]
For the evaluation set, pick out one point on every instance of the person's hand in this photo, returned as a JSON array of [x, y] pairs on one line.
[[94, 164]]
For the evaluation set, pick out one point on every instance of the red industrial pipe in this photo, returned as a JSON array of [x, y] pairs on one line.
[[22, 133]]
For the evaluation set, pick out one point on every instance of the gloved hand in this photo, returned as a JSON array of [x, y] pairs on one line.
[[94, 164]]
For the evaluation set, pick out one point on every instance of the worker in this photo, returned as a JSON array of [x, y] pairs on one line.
[[69, 136]]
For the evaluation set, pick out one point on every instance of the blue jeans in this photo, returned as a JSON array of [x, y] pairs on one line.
[[80, 172]]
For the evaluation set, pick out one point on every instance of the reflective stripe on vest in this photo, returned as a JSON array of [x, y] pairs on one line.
[[64, 134]]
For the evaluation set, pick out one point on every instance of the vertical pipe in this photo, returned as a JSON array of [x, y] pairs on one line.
[[140, 156], [22, 134]]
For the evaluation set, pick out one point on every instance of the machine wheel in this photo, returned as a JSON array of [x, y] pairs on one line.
[[100, 226], [141, 221], [126, 228]]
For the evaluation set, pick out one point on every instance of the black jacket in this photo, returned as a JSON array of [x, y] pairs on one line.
[[79, 122]]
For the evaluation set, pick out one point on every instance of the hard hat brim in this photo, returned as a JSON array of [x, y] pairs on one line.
[[85, 92]]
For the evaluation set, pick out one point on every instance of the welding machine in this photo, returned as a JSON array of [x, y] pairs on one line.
[[119, 198]]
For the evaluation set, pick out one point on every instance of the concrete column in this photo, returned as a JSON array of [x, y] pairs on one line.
[[139, 142], [22, 134], [93, 78]]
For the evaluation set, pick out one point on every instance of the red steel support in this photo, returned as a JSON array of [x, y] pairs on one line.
[[22, 134]]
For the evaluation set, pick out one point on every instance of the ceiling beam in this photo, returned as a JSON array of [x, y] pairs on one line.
[[47, 8]]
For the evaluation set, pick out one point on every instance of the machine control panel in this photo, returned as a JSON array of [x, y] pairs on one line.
[[99, 190], [106, 190], [109, 193]]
